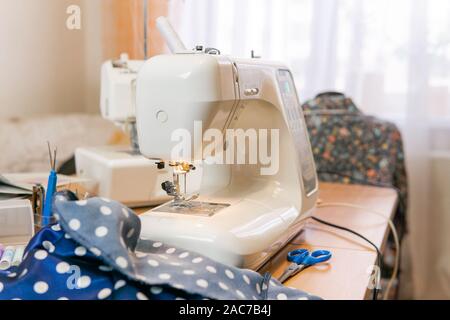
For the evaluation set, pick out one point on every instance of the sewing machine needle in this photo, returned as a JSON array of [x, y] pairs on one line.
[[50, 154], [54, 158]]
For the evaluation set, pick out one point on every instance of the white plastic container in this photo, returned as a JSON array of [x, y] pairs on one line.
[[16, 223]]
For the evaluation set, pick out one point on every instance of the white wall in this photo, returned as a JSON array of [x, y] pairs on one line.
[[46, 68], [93, 53]]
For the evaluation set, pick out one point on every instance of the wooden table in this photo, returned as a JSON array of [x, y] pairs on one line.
[[347, 274]]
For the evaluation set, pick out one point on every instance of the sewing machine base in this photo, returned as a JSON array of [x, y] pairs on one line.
[[244, 233], [123, 175]]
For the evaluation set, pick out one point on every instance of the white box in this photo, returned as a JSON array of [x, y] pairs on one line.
[[122, 175], [16, 222]]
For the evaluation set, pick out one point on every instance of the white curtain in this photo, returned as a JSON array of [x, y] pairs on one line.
[[391, 57]]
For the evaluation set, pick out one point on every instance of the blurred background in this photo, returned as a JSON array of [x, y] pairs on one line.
[[391, 57]]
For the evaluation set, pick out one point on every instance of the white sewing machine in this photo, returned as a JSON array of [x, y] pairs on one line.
[[243, 213], [121, 172]]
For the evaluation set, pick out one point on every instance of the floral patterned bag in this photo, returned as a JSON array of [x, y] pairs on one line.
[[351, 147]]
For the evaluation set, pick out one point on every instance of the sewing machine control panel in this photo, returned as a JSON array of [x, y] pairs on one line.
[[296, 123]]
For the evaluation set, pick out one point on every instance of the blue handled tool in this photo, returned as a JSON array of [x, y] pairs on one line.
[[301, 259], [51, 188]]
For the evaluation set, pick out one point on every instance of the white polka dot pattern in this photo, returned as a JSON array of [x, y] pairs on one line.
[[83, 282], [282, 296], [95, 251], [211, 269], [125, 212], [119, 284], [183, 255], [74, 224], [109, 231], [105, 210], [153, 263], [229, 274], [41, 254], [40, 287], [240, 294], [56, 227], [164, 276], [189, 272], [105, 268], [197, 260], [101, 231], [80, 251], [202, 283], [48, 246], [223, 286], [122, 262], [130, 233], [156, 290], [62, 267], [81, 202], [104, 293], [141, 296]]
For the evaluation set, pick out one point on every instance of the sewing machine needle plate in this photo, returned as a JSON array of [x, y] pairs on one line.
[[196, 208]]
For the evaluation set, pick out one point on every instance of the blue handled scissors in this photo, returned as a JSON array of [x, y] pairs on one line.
[[301, 259]]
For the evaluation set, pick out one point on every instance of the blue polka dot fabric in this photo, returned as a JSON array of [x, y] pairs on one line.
[[94, 252]]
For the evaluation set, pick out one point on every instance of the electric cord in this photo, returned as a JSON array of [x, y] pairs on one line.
[[394, 234], [375, 290]]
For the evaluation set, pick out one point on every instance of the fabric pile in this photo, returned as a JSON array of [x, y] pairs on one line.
[[23, 141], [94, 252]]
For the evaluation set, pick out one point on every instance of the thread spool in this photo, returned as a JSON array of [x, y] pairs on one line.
[[7, 257]]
